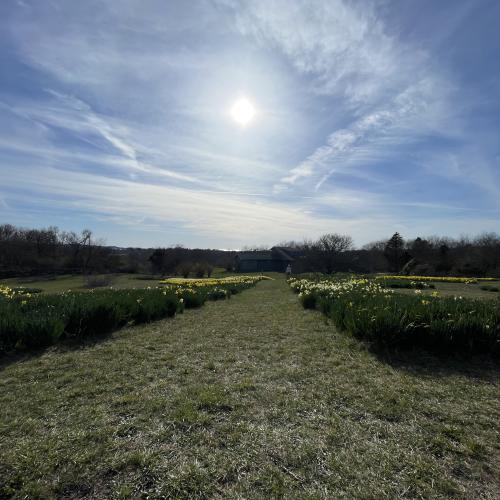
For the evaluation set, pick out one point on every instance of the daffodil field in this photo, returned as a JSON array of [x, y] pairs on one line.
[[367, 307], [439, 279], [368, 310], [398, 283], [29, 321], [194, 292]]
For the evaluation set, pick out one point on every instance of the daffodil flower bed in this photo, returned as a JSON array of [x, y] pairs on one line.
[[203, 282], [443, 279], [408, 284], [29, 321], [368, 310], [195, 292]]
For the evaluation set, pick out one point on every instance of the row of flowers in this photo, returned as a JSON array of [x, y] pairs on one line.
[[34, 321], [368, 310], [203, 282], [11, 293], [195, 292], [443, 279]]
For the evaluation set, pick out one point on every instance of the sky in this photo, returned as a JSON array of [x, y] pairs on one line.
[[370, 117]]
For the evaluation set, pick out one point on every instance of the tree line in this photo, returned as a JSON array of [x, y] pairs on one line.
[[31, 252], [49, 250], [434, 255]]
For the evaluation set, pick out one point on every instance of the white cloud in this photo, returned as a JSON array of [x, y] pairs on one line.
[[220, 216], [419, 110], [133, 132], [388, 91], [232, 220], [343, 45], [469, 166], [395, 95], [77, 118]]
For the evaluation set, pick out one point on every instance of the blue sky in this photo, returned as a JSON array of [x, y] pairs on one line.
[[371, 118]]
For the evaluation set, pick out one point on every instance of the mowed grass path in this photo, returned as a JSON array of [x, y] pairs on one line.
[[248, 398]]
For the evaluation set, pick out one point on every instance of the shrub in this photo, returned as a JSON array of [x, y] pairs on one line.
[[184, 269], [199, 270]]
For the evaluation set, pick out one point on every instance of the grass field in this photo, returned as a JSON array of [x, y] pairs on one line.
[[64, 283], [253, 397], [77, 282]]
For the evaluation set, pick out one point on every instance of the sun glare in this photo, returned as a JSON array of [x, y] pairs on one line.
[[243, 111]]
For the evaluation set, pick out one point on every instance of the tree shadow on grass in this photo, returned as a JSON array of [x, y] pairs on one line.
[[427, 364], [70, 344]]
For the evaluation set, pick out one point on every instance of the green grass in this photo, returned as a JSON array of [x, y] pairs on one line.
[[248, 398], [64, 283]]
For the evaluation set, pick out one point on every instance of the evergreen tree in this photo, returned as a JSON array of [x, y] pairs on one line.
[[394, 252]]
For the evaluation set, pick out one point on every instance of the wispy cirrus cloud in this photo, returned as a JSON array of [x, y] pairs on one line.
[[419, 110], [174, 213], [222, 218], [361, 109], [342, 45], [393, 94], [73, 116]]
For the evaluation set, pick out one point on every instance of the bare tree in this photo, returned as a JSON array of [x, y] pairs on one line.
[[330, 246]]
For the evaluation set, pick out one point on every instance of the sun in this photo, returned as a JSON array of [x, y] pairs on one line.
[[243, 111]]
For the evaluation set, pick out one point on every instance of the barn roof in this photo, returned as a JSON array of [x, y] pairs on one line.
[[282, 253], [276, 253], [256, 255]]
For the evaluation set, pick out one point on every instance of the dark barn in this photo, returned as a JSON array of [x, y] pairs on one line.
[[276, 259]]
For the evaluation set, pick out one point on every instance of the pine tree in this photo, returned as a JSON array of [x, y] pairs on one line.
[[394, 252]]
